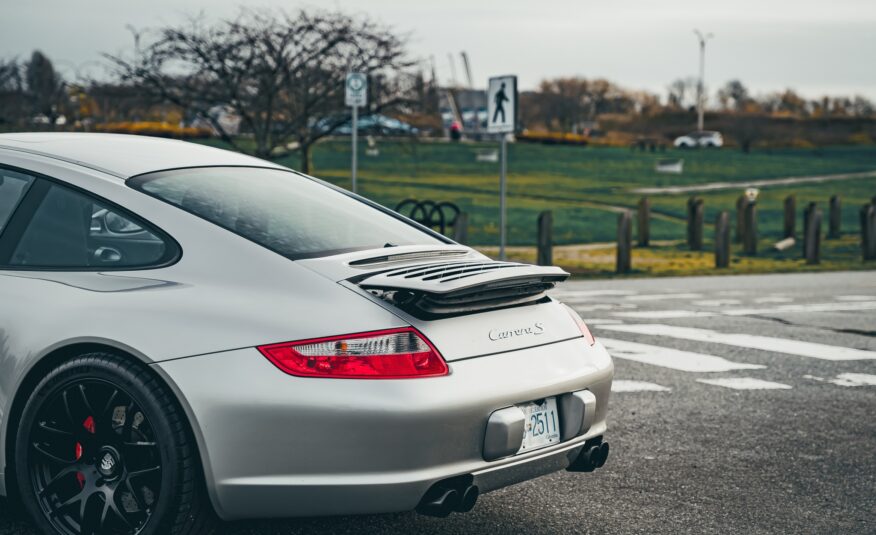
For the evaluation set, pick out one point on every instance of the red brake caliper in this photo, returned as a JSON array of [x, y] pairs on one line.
[[88, 424]]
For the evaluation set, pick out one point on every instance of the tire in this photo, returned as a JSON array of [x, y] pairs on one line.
[[135, 467]]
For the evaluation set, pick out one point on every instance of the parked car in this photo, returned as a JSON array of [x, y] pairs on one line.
[[187, 333], [705, 138], [374, 124]]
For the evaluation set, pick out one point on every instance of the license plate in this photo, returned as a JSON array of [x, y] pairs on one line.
[[542, 424]]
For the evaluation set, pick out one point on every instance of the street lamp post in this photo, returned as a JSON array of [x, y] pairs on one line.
[[700, 86]]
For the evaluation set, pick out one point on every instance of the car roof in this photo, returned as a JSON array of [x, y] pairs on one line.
[[124, 155]]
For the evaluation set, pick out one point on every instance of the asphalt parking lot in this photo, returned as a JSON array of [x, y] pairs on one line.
[[741, 405]]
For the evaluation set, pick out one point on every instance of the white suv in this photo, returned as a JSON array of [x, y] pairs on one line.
[[699, 139]]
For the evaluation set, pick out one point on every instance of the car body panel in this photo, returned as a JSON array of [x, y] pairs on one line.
[[365, 446], [125, 156]]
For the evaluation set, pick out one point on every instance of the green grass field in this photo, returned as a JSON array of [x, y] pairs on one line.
[[584, 186]]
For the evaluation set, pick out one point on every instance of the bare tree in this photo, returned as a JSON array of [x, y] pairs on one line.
[[734, 95], [682, 93], [11, 91], [44, 86], [282, 74], [862, 107]]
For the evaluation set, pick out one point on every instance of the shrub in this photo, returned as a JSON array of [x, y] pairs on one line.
[[154, 128]]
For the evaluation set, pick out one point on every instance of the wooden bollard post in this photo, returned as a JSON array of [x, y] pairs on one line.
[[722, 240], [834, 218], [696, 237], [790, 217], [812, 241], [741, 203], [460, 228], [749, 238], [624, 242], [868, 232], [545, 239], [811, 207], [644, 222]]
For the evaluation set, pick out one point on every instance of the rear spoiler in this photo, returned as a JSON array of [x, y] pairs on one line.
[[451, 288]]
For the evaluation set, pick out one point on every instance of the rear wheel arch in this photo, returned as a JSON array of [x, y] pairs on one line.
[[55, 358]]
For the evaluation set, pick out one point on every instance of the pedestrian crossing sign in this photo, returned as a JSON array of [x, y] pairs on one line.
[[502, 104]]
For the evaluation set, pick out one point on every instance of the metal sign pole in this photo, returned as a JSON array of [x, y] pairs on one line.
[[502, 187], [355, 136], [355, 95]]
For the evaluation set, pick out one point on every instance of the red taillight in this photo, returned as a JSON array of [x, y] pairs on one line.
[[391, 354], [585, 332]]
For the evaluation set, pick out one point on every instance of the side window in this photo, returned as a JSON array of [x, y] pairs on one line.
[[69, 229], [13, 186]]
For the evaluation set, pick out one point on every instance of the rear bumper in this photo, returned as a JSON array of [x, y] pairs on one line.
[[275, 445]]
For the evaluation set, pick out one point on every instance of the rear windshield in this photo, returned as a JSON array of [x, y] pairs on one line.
[[293, 215]]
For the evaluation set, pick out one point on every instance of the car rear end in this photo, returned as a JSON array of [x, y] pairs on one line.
[[472, 379], [510, 393]]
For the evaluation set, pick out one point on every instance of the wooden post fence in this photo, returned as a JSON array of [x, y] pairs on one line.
[[644, 222], [722, 240], [749, 231], [812, 240], [624, 242], [834, 218], [741, 203], [868, 231], [811, 207], [695, 224], [790, 217], [545, 239], [460, 228]]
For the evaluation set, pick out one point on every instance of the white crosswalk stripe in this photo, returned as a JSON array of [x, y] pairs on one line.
[[672, 358], [745, 383], [662, 297], [750, 341], [848, 379], [664, 314], [621, 385], [851, 306]]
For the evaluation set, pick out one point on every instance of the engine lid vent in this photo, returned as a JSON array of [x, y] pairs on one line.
[[452, 288]]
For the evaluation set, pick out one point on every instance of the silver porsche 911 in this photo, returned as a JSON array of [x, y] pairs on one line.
[[188, 334]]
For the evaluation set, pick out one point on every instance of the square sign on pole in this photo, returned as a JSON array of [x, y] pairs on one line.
[[502, 105], [502, 119], [355, 95]]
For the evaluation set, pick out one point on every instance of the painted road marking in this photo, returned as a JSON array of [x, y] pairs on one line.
[[855, 297], [592, 293], [750, 341], [847, 379], [592, 308], [784, 309], [717, 302], [620, 385], [661, 297], [664, 314], [772, 299], [810, 307], [745, 383], [600, 321], [675, 359]]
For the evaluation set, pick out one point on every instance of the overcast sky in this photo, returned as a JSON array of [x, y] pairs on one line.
[[815, 47]]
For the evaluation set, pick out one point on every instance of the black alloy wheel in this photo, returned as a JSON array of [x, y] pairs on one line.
[[102, 450]]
